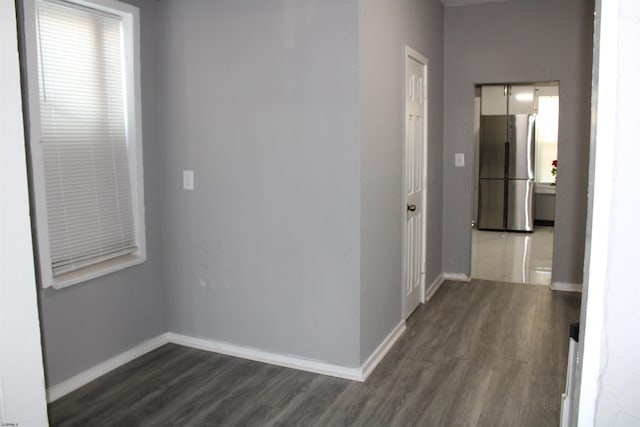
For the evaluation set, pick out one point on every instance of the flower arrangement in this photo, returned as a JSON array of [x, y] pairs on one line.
[[554, 171]]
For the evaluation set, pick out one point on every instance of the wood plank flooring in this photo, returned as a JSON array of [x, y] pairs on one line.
[[480, 353]]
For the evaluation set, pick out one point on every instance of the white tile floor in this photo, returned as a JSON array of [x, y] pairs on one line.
[[513, 257]]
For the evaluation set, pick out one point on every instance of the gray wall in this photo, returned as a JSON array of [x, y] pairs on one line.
[[260, 99], [519, 41], [385, 28], [270, 107], [86, 324]]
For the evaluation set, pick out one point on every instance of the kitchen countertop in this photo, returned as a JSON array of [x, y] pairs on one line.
[[544, 188]]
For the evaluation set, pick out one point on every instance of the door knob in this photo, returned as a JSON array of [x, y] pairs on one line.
[[411, 208]]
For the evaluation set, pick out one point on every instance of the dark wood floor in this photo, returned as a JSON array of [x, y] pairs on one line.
[[479, 353]]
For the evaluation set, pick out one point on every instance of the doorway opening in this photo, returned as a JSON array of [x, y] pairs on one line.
[[516, 149]]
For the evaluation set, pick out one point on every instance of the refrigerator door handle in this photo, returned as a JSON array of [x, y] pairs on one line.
[[507, 159], [505, 213], [530, 146]]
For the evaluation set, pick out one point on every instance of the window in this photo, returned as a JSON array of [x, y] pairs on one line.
[[546, 137], [84, 137]]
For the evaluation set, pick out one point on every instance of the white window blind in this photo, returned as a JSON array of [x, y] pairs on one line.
[[83, 136]]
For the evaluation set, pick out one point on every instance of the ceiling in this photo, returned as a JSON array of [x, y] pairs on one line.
[[468, 2]]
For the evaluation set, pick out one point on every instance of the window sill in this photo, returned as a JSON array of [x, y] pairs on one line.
[[111, 266]]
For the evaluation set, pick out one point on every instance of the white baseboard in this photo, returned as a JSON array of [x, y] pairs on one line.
[[433, 287], [458, 277], [566, 287], [67, 386], [257, 355], [376, 357], [356, 374]]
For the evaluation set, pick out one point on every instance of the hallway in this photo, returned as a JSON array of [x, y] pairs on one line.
[[479, 353]]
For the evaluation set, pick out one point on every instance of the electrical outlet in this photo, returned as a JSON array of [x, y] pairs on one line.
[[187, 180]]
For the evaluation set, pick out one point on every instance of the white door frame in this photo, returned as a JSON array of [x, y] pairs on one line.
[[410, 53], [604, 146], [22, 389]]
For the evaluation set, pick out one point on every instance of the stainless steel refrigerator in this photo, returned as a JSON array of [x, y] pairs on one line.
[[506, 169]]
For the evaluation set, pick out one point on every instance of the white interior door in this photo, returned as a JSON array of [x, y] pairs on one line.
[[415, 147]]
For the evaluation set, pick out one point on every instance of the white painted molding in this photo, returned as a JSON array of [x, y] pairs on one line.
[[433, 287], [376, 357], [257, 355], [355, 374], [67, 386], [566, 287], [458, 277]]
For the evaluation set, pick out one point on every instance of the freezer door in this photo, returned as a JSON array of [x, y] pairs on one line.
[[521, 99], [493, 101], [520, 205], [493, 136], [521, 133], [491, 204]]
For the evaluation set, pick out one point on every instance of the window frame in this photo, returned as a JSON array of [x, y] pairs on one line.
[[131, 45]]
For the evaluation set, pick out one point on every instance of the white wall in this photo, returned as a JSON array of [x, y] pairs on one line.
[[22, 397], [610, 378], [519, 41]]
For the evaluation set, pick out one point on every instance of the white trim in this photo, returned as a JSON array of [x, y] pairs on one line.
[[378, 354], [566, 287], [22, 390], [258, 355], [433, 287], [98, 270], [67, 386], [355, 374], [458, 277], [131, 31], [603, 149], [409, 53]]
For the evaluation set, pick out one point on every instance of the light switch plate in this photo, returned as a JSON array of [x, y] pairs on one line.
[[187, 180], [459, 160]]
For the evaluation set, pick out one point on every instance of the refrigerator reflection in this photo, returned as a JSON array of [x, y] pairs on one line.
[[513, 257]]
